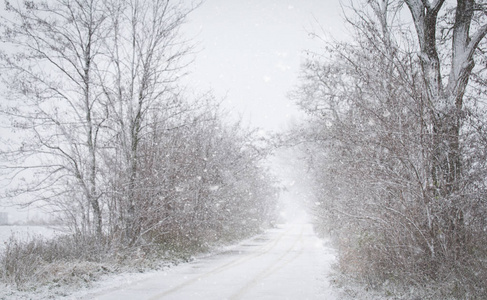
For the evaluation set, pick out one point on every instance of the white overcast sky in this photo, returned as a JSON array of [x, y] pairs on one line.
[[251, 50]]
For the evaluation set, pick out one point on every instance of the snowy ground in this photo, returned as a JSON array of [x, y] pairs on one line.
[[288, 262]]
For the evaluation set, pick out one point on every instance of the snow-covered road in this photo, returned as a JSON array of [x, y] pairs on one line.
[[288, 262]]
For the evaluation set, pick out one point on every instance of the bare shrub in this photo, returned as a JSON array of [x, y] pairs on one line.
[[40, 260]]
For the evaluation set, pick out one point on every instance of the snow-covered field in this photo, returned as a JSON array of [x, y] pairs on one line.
[[26, 232]]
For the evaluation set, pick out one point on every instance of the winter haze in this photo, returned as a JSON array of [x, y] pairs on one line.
[[243, 149], [251, 51]]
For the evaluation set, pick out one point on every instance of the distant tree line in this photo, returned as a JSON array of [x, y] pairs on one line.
[[396, 139]]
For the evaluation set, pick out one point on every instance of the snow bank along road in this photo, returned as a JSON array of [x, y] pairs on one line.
[[288, 262]]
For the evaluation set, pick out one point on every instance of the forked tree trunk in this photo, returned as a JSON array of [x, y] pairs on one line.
[[446, 102]]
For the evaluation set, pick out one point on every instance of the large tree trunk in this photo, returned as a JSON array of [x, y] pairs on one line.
[[446, 102]]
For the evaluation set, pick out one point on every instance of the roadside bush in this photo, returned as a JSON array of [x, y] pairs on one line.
[[39, 260]]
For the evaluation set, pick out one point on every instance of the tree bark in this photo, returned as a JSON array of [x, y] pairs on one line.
[[446, 102]]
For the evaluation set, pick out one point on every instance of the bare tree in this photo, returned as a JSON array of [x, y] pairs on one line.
[[446, 94], [395, 143], [146, 56], [55, 46]]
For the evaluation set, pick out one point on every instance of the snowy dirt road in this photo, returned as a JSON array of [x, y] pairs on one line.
[[288, 262]]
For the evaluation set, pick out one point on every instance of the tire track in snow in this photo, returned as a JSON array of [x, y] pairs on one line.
[[225, 266], [273, 268]]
